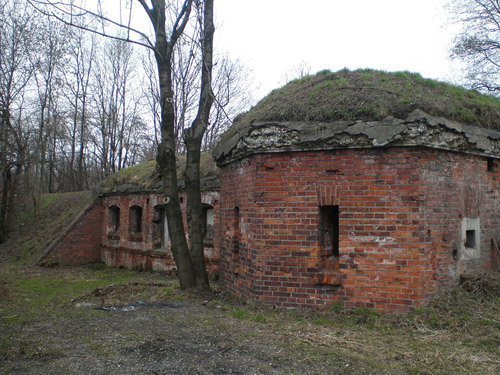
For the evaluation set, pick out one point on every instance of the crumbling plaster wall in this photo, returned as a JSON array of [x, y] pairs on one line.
[[418, 129], [459, 192]]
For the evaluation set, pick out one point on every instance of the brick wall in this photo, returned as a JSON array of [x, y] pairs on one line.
[[400, 215], [80, 243], [146, 250]]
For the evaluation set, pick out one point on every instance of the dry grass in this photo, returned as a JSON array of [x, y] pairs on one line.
[[458, 334], [370, 95], [4, 292], [146, 176], [31, 234]]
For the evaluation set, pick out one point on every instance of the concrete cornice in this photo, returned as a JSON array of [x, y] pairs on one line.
[[418, 129]]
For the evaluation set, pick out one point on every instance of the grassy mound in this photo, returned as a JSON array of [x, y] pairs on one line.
[[31, 234], [146, 176], [372, 95]]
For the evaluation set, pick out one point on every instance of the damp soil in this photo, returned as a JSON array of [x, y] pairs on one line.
[[158, 338], [105, 321], [146, 326]]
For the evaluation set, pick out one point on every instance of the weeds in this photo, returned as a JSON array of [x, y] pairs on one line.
[[459, 333], [371, 95], [245, 314]]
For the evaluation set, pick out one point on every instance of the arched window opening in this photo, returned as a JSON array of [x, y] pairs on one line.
[[135, 223], [113, 218]]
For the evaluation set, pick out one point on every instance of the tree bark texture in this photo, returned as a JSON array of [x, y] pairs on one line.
[[166, 150], [193, 138]]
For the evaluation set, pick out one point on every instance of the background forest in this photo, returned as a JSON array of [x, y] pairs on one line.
[[76, 107]]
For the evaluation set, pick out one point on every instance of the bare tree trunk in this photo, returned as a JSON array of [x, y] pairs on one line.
[[166, 150], [190, 266], [168, 167], [193, 138], [6, 187]]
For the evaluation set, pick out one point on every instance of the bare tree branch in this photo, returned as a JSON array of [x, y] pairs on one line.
[[478, 44], [62, 7]]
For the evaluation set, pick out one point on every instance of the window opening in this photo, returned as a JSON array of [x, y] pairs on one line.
[[470, 239], [236, 234], [329, 232], [159, 227], [208, 223], [135, 223], [470, 247], [114, 218], [491, 165]]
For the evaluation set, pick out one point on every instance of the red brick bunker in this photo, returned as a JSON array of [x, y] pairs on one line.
[[326, 198], [134, 232], [127, 226], [380, 214]]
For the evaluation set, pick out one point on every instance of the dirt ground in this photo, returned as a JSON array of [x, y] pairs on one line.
[[159, 338], [95, 320]]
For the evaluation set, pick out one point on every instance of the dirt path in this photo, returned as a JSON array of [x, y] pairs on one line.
[[161, 338], [97, 320]]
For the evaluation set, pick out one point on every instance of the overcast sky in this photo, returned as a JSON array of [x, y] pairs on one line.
[[272, 37]]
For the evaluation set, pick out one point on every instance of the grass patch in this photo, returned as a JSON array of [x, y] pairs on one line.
[[31, 295], [30, 234], [456, 334], [48, 199], [146, 176], [370, 95], [245, 314], [44, 292], [143, 175]]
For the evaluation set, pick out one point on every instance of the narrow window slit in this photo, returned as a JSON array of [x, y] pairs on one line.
[[329, 232]]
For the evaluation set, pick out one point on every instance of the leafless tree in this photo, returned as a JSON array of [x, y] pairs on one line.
[[78, 85], [16, 70], [116, 120], [478, 43], [230, 84], [233, 95], [51, 41], [169, 21]]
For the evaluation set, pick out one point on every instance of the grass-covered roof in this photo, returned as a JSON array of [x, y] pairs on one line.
[[373, 95], [146, 176], [365, 108]]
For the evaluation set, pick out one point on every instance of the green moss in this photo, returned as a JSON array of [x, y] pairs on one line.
[[371, 95], [322, 321], [32, 233], [240, 313], [146, 176], [335, 307], [141, 175], [42, 294], [47, 199], [341, 82]]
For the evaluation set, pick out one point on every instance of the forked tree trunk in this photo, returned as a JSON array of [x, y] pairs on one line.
[[193, 138], [166, 150]]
